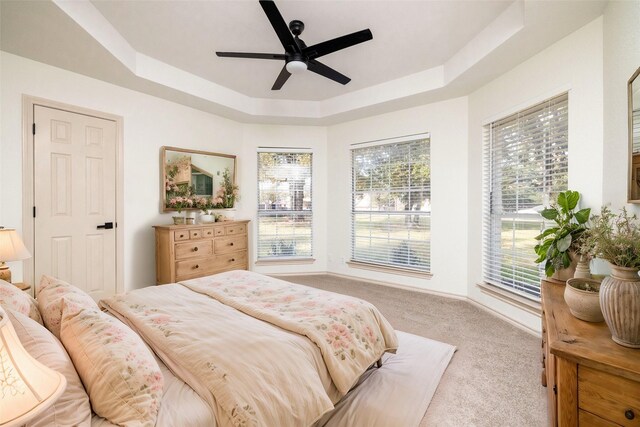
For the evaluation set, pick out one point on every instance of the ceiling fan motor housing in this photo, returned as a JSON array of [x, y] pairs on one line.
[[296, 27]]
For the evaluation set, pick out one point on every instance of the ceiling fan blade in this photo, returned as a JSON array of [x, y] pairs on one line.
[[280, 26], [282, 78], [328, 72], [251, 55], [329, 46]]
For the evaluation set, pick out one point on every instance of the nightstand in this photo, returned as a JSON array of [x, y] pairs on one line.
[[22, 286]]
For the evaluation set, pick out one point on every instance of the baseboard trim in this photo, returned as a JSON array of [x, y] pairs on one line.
[[509, 320], [398, 286], [307, 273], [481, 306]]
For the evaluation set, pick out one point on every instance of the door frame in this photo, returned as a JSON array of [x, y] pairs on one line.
[[28, 181]]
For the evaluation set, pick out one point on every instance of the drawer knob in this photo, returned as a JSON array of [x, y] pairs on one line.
[[195, 249], [196, 266], [628, 414], [232, 260], [231, 244], [182, 235]]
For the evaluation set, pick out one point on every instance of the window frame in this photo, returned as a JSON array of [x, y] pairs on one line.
[[283, 212], [492, 275], [379, 266]]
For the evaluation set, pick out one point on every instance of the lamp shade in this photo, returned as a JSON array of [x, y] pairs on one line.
[[11, 246], [27, 387]]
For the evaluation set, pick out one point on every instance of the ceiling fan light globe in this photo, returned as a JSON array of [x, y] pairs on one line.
[[295, 67]]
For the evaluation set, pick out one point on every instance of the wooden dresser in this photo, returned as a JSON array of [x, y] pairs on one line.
[[189, 251], [591, 380]]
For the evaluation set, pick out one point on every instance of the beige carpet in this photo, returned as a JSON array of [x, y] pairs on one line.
[[494, 377]]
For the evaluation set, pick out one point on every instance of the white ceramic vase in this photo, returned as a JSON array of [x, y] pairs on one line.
[[206, 218]]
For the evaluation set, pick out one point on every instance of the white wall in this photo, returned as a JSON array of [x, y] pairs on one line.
[[621, 60], [447, 123], [573, 64], [149, 123]]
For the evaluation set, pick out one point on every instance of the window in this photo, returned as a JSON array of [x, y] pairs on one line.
[[525, 167], [391, 203], [284, 204]]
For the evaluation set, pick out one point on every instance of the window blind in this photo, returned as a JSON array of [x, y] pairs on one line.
[[525, 167], [284, 205], [391, 203]]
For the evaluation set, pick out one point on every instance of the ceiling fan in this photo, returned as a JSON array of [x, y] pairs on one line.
[[297, 55]]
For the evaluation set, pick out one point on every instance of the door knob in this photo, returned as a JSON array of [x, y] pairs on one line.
[[106, 226]]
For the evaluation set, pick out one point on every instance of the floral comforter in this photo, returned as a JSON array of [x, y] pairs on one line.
[[351, 333], [250, 372]]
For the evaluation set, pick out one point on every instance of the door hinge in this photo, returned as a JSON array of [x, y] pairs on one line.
[[34, 211], [33, 128]]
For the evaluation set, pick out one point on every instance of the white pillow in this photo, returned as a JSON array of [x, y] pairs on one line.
[[72, 408], [12, 298], [121, 375], [52, 293]]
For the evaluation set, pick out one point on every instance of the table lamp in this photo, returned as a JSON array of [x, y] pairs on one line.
[[27, 387], [11, 249]]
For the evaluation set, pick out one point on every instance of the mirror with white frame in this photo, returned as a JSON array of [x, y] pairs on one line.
[[192, 174]]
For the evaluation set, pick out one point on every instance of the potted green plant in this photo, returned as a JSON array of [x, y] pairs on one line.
[[558, 243], [583, 298], [617, 240]]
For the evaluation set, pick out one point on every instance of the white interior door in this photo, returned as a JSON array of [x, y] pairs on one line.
[[74, 197]]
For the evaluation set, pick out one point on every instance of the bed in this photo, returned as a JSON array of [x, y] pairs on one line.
[[240, 348]]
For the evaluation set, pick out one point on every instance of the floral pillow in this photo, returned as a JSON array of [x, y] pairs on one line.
[[121, 375], [13, 298], [72, 408], [51, 295]]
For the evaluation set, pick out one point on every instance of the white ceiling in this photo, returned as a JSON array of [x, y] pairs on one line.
[[421, 51], [408, 37]]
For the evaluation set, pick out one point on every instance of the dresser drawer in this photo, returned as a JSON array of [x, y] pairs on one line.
[[208, 232], [195, 233], [230, 230], [181, 235], [588, 419], [194, 268], [205, 266], [218, 231], [198, 248], [609, 396], [232, 260], [224, 245]]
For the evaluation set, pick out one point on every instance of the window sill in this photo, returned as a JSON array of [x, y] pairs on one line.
[[526, 304], [392, 270], [285, 261]]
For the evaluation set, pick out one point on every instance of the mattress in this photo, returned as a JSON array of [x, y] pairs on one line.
[[396, 394]]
